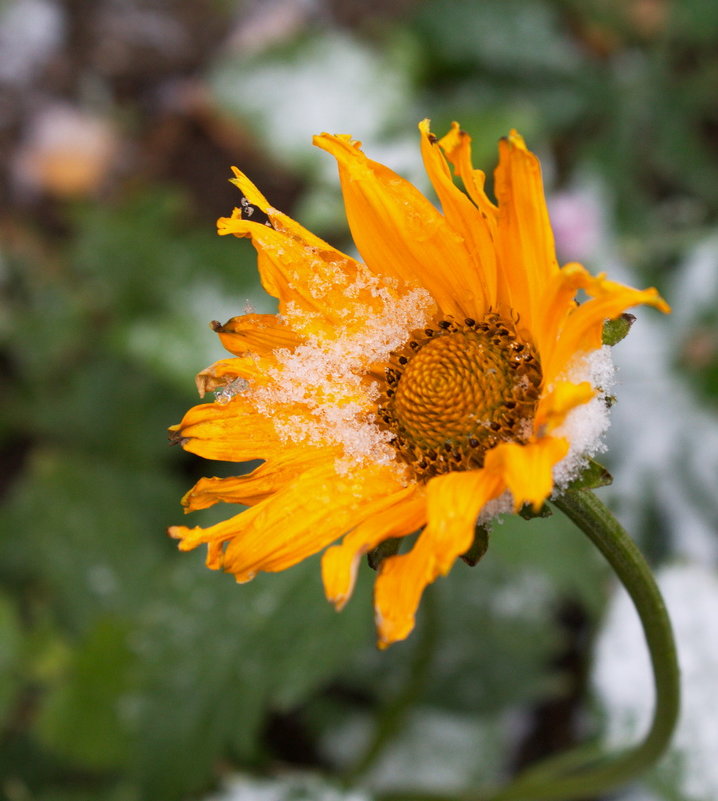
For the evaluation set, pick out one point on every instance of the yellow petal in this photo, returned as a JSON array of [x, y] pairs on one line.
[[525, 240], [566, 329], [554, 406], [250, 191], [457, 147], [295, 270], [262, 482], [583, 327], [465, 218], [256, 333], [401, 513], [232, 432], [527, 470], [305, 516], [214, 537], [223, 372], [398, 231], [294, 523], [454, 501], [298, 267]]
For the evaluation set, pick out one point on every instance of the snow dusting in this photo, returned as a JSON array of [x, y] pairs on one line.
[[289, 786], [223, 395], [622, 677], [586, 425], [328, 376]]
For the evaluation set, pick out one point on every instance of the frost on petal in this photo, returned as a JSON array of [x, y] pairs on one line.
[[585, 425], [327, 378]]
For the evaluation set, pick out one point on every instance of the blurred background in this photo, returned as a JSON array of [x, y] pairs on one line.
[[130, 672]]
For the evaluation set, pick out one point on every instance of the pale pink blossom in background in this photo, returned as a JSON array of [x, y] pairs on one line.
[[578, 223]]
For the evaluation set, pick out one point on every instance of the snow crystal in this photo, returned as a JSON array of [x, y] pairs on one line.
[[282, 98], [622, 675], [327, 375], [586, 425], [502, 505], [286, 787], [435, 750], [224, 395]]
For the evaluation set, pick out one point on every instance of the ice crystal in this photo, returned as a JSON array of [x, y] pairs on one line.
[[586, 425], [329, 375], [287, 787], [224, 395]]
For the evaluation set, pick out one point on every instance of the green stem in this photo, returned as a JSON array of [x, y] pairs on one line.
[[394, 713], [580, 774]]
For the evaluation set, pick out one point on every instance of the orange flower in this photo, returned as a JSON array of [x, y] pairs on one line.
[[449, 377]]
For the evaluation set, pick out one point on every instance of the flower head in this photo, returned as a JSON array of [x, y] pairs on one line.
[[449, 377]]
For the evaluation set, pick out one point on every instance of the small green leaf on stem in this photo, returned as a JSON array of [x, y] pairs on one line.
[[528, 513], [615, 330], [478, 547], [594, 475]]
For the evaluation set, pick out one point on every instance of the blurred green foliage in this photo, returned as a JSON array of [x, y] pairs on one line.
[[130, 672]]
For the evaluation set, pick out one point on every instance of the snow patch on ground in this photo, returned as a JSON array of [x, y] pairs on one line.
[[622, 675]]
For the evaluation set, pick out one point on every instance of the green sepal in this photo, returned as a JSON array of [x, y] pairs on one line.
[[615, 330], [527, 511], [478, 547], [594, 475], [384, 549]]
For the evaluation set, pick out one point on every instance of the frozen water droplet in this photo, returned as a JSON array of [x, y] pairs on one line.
[[224, 394]]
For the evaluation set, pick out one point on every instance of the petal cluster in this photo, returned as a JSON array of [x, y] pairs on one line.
[[301, 389]]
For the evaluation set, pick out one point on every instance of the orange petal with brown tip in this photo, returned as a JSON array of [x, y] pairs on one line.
[[221, 373], [256, 333], [232, 432], [456, 144]]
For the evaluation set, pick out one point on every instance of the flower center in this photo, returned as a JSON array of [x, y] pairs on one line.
[[455, 392]]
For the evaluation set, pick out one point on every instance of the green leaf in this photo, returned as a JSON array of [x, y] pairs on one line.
[[478, 547], [90, 532], [594, 475], [80, 718], [617, 329], [10, 655], [218, 658]]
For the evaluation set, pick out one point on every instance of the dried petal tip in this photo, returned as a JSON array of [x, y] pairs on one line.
[[174, 435]]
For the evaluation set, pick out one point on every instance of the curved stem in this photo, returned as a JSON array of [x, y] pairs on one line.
[[580, 773], [598, 775]]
